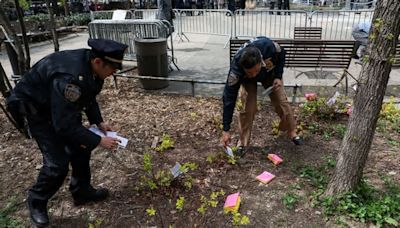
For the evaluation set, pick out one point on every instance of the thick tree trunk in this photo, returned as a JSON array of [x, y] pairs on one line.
[[23, 31], [11, 32], [53, 26], [368, 100]]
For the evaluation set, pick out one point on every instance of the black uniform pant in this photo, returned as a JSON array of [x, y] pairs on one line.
[[57, 155]]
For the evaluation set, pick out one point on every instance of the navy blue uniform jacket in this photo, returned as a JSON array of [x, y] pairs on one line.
[[60, 87], [237, 76]]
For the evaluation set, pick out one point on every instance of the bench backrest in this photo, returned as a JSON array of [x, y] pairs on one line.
[[314, 33], [397, 56], [310, 53]]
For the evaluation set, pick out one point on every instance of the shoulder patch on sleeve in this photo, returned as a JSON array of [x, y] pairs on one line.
[[232, 79], [72, 92]]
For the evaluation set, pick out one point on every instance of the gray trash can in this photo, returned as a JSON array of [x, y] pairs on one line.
[[152, 60]]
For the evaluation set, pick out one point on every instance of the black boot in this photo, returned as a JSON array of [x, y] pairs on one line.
[[38, 212], [89, 194]]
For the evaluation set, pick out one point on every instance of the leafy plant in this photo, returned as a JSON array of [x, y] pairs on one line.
[[290, 199], [166, 143], [151, 211], [5, 215], [180, 203], [97, 223], [212, 201], [368, 204], [275, 127], [238, 219]]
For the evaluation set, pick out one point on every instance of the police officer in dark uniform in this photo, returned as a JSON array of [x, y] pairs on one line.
[[51, 97], [259, 60]]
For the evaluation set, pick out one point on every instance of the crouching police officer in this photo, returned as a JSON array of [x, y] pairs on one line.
[[259, 60], [52, 96]]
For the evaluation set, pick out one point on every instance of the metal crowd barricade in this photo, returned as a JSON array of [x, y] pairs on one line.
[[126, 31], [338, 25], [203, 21], [147, 14], [270, 23]]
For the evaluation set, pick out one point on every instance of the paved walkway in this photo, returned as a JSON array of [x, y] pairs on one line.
[[205, 58]]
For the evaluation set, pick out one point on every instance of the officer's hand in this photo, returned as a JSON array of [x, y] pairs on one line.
[[109, 142], [104, 127], [225, 138], [277, 84]]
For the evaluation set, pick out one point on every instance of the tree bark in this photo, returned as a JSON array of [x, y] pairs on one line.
[[66, 7], [53, 26], [11, 32], [23, 31], [368, 99]]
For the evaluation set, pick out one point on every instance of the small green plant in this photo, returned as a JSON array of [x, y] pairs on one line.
[[166, 143], [290, 199], [327, 136], [188, 166], [238, 219], [193, 115], [180, 202], [314, 128], [209, 202], [97, 223], [151, 211], [320, 108], [153, 179], [339, 130], [231, 160], [389, 117], [367, 204], [275, 127], [211, 158], [5, 215], [218, 122]]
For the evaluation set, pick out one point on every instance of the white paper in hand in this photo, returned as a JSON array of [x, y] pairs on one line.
[[268, 91], [229, 151], [122, 141]]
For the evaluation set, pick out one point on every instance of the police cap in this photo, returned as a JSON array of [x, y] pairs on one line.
[[108, 50]]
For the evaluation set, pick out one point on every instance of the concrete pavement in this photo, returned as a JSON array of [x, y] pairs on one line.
[[205, 58]]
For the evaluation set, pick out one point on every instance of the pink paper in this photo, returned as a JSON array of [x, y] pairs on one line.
[[275, 158], [311, 96], [265, 177], [231, 200]]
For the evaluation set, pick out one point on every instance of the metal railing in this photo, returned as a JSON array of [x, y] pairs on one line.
[[147, 14], [338, 25], [277, 24], [204, 21], [271, 23], [126, 31]]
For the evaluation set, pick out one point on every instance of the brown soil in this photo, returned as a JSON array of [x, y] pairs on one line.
[[140, 116]]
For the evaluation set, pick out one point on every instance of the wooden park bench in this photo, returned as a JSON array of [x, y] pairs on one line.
[[397, 56], [320, 54], [314, 33]]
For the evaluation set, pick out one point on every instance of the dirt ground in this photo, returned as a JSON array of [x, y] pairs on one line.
[[193, 123]]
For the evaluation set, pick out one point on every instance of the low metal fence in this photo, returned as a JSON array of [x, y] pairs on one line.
[[338, 25], [126, 31], [271, 23], [277, 24]]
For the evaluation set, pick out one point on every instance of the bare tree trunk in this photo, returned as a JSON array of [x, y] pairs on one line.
[[66, 7], [23, 31], [11, 32], [53, 26], [369, 96]]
